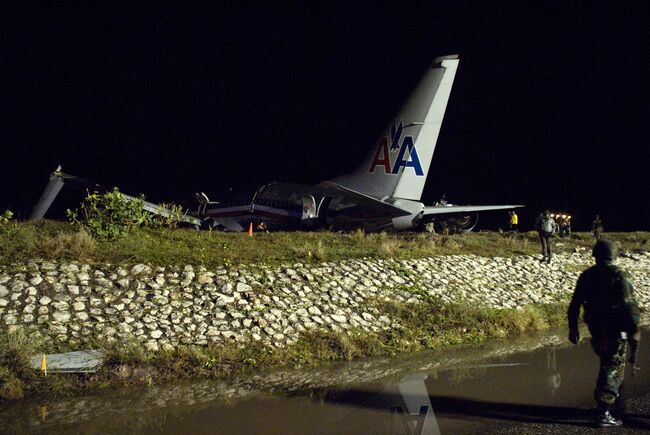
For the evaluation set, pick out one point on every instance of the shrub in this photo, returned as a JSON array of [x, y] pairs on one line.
[[110, 215], [169, 216], [5, 217], [6, 226]]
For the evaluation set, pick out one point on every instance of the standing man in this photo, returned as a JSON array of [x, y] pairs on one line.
[[611, 313], [545, 226], [514, 221], [597, 228], [560, 225]]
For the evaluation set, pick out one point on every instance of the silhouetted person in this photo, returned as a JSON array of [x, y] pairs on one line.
[[597, 228], [611, 313], [545, 226]]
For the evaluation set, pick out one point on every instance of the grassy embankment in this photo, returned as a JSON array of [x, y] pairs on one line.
[[60, 241], [424, 326]]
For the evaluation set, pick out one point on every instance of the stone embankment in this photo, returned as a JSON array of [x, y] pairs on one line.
[[168, 306]]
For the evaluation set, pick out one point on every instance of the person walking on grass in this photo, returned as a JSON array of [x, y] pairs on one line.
[[545, 226], [611, 313]]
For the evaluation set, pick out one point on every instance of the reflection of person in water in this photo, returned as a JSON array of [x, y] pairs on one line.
[[552, 376]]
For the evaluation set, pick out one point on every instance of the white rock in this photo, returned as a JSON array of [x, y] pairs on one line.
[[29, 309], [138, 269], [151, 345], [243, 287], [223, 300], [61, 316]]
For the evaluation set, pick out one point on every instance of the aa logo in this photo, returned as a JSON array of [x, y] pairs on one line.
[[407, 154]]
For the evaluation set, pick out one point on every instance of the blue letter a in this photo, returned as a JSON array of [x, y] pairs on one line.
[[412, 161]]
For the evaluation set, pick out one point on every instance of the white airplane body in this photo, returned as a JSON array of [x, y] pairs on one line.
[[383, 193]]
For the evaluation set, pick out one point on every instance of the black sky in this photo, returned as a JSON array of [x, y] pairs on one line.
[[549, 107]]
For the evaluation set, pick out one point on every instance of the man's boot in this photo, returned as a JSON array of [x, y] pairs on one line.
[[605, 418]]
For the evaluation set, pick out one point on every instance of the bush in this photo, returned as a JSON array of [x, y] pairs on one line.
[[169, 216], [5, 217], [110, 215], [6, 226]]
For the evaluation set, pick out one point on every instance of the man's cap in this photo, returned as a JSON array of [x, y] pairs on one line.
[[605, 250]]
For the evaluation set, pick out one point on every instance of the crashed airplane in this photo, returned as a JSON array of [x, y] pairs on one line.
[[383, 193]]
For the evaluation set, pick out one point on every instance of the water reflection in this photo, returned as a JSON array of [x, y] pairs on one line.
[[419, 417], [552, 375], [534, 379]]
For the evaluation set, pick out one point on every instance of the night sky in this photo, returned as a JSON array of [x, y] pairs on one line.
[[550, 105]]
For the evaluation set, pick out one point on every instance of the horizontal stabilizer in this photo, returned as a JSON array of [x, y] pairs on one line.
[[370, 204], [447, 209]]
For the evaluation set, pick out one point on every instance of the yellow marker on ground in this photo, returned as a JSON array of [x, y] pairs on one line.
[[44, 364]]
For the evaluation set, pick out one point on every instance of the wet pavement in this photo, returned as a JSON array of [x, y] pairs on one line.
[[533, 385]]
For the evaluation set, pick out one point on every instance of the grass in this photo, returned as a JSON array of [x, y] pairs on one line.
[[60, 240], [15, 372]]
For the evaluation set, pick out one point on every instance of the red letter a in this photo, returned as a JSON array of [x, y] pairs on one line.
[[382, 158]]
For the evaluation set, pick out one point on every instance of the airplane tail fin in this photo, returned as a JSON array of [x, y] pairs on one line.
[[397, 166]]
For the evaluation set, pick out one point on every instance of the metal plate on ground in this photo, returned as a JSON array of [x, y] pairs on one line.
[[82, 361]]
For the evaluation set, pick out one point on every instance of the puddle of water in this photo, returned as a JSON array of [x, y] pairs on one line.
[[457, 390]]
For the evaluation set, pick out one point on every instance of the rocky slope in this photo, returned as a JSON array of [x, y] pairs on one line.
[[167, 306]]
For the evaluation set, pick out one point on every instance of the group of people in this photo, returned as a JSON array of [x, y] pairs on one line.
[[562, 223]]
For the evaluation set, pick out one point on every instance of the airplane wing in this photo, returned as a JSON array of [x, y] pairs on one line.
[[446, 209], [58, 178]]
